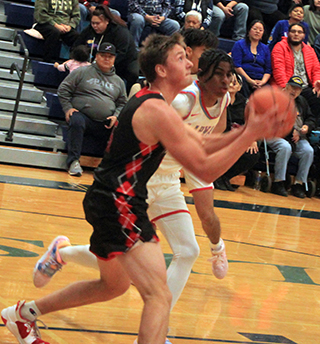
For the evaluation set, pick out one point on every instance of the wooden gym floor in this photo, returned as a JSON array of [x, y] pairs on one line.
[[270, 295]]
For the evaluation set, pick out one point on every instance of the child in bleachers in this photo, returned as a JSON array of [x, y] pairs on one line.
[[79, 58]]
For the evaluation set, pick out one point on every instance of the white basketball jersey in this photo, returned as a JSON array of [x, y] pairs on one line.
[[188, 103]]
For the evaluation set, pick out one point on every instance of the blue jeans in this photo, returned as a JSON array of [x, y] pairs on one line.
[[137, 24], [283, 150], [240, 12]]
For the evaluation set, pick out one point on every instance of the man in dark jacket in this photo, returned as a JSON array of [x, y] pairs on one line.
[[296, 143], [89, 97]]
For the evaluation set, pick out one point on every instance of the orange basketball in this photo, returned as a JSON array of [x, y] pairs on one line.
[[265, 98]]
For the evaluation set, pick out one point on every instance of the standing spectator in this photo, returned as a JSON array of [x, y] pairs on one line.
[[204, 7], [225, 10], [89, 96], [79, 58], [193, 19], [295, 143], [296, 15], [312, 17], [291, 57], [252, 59], [266, 11], [104, 28], [56, 20], [235, 118], [152, 14]]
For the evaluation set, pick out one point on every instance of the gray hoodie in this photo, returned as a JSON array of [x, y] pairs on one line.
[[96, 94]]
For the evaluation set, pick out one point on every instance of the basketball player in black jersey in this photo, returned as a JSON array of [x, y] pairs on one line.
[[123, 239]]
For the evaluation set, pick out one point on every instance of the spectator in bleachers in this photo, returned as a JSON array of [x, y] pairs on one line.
[[284, 5], [78, 58], [267, 11], [291, 57], [312, 17], [296, 143], [235, 118], [56, 20], [89, 97], [204, 7], [296, 15], [224, 10], [86, 9], [252, 59], [152, 15], [104, 28], [193, 19], [316, 46]]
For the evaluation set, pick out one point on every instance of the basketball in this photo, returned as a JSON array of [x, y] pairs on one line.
[[267, 97]]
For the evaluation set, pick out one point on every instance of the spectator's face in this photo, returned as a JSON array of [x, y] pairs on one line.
[[317, 4], [234, 86], [256, 32], [294, 91], [297, 14], [193, 55], [296, 35], [105, 61], [218, 85], [192, 22], [99, 24]]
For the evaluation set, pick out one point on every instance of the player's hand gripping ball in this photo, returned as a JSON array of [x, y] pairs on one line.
[[268, 97]]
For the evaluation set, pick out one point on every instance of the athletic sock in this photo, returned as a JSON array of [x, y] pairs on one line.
[[30, 311], [217, 247], [80, 255]]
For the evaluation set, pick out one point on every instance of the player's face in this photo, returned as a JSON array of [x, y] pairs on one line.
[[192, 22], [296, 35], [178, 67], [294, 91], [105, 61], [219, 83], [99, 24], [297, 14], [193, 55]]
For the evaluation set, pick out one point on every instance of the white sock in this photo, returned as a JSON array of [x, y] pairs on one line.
[[80, 255], [217, 247], [30, 311]]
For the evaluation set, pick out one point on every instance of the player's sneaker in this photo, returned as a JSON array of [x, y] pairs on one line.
[[167, 341], [50, 262], [26, 331], [219, 262]]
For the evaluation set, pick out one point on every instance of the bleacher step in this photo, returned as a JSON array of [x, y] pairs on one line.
[[5, 74], [31, 94], [32, 157], [8, 46], [43, 142], [6, 60], [7, 34], [25, 107], [29, 125]]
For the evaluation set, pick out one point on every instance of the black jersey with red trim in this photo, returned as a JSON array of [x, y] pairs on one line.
[[128, 163]]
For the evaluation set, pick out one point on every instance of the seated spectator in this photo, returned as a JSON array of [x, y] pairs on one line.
[[291, 57], [316, 46], [235, 118], [296, 15], [266, 11], [152, 14], [92, 98], [86, 9], [104, 28], [284, 5], [204, 7], [252, 59], [312, 18], [296, 143], [79, 58], [193, 19], [56, 20], [224, 10]]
